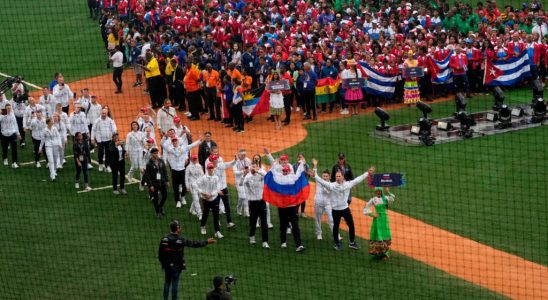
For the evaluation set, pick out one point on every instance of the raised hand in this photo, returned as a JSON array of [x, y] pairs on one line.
[[266, 151], [314, 162]]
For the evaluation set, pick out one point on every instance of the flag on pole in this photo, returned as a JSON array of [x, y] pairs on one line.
[[507, 72], [326, 90]]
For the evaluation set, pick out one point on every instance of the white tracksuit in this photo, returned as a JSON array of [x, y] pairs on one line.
[[135, 146], [238, 169], [51, 139], [192, 173], [322, 204]]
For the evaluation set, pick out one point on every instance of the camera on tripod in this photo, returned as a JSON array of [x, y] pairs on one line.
[[8, 83]]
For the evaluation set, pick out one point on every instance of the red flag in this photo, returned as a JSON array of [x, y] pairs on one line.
[[434, 68], [491, 72], [263, 105]]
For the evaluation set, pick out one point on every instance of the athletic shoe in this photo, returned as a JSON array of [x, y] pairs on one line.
[[265, 245], [231, 225], [183, 201], [123, 192], [319, 237], [116, 192], [218, 235], [337, 247], [87, 189], [92, 151], [38, 164], [101, 168], [340, 238], [252, 240], [300, 248], [203, 230], [354, 246], [6, 162], [23, 145], [90, 166], [344, 112], [188, 114], [141, 187], [64, 161], [288, 231], [59, 167], [108, 170], [270, 226], [303, 215], [178, 205], [15, 165], [77, 185], [284, 245], [298, 109]]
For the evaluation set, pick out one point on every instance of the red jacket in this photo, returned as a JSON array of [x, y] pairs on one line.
[[538, 51], [511, 48], [459, 63]]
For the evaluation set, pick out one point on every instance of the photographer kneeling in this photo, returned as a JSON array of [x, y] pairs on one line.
[[220, 291]]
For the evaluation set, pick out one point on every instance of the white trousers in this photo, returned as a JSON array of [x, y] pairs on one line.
[[319, 210], [54, 160], [195, 207]]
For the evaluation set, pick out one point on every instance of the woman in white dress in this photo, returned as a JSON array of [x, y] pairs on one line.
[[276, 101]]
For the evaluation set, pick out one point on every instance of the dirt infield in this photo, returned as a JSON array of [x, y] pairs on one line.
[[482, 265]]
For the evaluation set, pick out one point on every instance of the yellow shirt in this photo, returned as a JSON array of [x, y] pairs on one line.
[[154, 68], [169, 69]]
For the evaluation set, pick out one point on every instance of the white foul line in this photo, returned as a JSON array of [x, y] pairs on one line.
[[41, 161], [104, 187]]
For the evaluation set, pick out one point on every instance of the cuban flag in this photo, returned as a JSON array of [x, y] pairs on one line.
[[377, 83], [507, 72], [285, 195], [441, 72]]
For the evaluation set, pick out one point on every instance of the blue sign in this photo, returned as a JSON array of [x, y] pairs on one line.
[[388, 179]]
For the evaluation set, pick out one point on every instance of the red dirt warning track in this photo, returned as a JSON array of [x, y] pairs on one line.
[[480, 264]]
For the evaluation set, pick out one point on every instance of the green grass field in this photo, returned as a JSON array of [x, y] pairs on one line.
[[57, 244]]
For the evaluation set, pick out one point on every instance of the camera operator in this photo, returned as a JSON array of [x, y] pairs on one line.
[[220, 290], [172, 256]]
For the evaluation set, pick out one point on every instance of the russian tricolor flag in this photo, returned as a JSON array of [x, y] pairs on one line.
[[285, 195]]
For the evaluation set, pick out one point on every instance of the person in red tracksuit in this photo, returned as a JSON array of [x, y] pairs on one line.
[[459, 65]]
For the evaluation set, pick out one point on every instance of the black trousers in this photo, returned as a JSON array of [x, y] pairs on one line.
[[82, 170], [226, 203], [288, 216], [155, 86], [65, 109], [238, 115], [288, 103], [10, 141], [158, 206], [36, 144], [211, 99], [257, 210], [309, 102], [347, 215], [21, 129], [178, 179], [194, 103], [461, 83], [102, 149], [118, 171], [117, 77], [212, 206], [176, 94]]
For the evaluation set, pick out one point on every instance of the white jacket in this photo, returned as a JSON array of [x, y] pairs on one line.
[[62, 96], [78, 123], [209, 184], [8, 124], [93, 113], [220, 171], [165, 118], [37, 127], [340, 192], [192, 173], [50, 138], [254, 184], [103, 129], [27, 117], [135, 142], [177, 156]]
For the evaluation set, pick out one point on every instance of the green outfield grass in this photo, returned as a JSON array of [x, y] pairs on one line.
[[490, 189], [57, 244], [40, 38]]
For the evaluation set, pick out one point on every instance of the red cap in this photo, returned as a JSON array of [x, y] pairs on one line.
[[93, 96], [150, 140], [213, 157], [177, 120], [284, 157], [286, 168], [210, 166], [144, 109], [193, 156], [174, 138]]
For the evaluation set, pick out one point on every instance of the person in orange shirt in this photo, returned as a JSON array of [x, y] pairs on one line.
[[211, 81], [192, 86], [234, 73]]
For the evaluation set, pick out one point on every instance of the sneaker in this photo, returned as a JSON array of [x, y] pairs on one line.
[[183, 201], [344, 112], [141, 187], [59, 167], [265, 245], [123, 192], [284, 245], [15, 165], [231, 225], [354, 246], [64, 161], [92, 151], [218, 235], [101, 168], [188, 114], [252, 240], [5, 162], [77, 185], [87, 189], [108, 170], [178, 205], [300, 248], [203, 230], [270, 226], [116, 192], [288, 231], [337, 247], [23, 145], [319, 237], [90, 167], [38, 164], [340, 238], [298, 109], [303, 215]]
